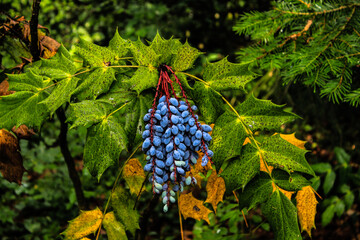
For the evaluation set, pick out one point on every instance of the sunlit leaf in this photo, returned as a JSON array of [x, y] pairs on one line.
[[306, 204]]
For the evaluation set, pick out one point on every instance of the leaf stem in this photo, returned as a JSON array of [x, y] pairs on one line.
[[180, 219], [117, 109], [199, 79]]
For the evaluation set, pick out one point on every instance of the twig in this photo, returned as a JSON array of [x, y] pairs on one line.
[[180, 219], [34, 47], [69, 160]]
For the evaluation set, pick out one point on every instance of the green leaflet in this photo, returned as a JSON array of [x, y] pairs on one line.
[[208, 101], [22, 106], [118, 45], [282, 154], [263, 114], [184, 57], [123, 203], [165, 49], [143, 78], [227, 138], [104, 143], [293, 182], [257, 191], [241, 170], [223, 75], [115, 230], [57, 67], [282, 216], [143, 55], [96, 83], [94, 55]]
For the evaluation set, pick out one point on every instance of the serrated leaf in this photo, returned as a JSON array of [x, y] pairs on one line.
[[123, 204], [282, 216], [134, 175], [115, 230], [61, 94], [57, 67], [241, 170], [11, 161], [288, 194], [193, 208], [227, 138], [86, 223], [184, 57], [293, 140], [94, 55], [118, 45], [208, 101], [329, 181], [263, 114], [96, 83], [104, 143], [257, 191], [165, 49], [144, 55], [223, 75], [215, 188], [306, 205], [290, 182], [144, 78], [284, 155], [22, 106]]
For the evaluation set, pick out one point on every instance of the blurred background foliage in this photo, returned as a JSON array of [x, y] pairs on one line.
[[42, 205]]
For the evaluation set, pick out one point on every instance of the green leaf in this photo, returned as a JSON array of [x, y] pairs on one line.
[[61, 94], [165, 49], [115, 230], [208, 101], [94, 55], [349, 199], [104, 143], [328, 215], [57, 67], [144, 55], [321, 167], [263, 114], [257, 191], [144, 78], [118, 45], [282, 216], [223, 75], [123, 203], [184, 57], [241, 170], [342, 156], [339, 208], [95, 83], [329, 181], [227, 138], [279, 153], [22, 106], [290, 182]]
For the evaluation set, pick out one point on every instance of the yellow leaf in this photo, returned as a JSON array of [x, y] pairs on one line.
[[85, 238], [215, 188], [114, 229], [288, 194], [293, 140], [193, 208], [247, 140], [306, 204], [86, 223], [263, 166], [134, 175]]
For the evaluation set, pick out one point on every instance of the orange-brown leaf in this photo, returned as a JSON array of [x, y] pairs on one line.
[[23, 132], [11, 162], [215, 188], [86, 223], [288, 194], [293, 140], [264, 167], [4, 86], [306, 204], [247, 140], [193, 208], [134, 175]]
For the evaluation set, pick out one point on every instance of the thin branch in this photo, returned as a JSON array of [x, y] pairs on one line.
[[319, 13], [34, 22]]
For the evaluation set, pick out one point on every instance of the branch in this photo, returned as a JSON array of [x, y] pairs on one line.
[[34, 47], [69, 160]]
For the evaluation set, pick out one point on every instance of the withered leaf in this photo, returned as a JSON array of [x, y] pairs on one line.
[[193, 208], [215, 189], [293, 140], [23, 132], [4, 86], [288, 194], [11, 162], [306, 204], [86, 223], [134, 175]]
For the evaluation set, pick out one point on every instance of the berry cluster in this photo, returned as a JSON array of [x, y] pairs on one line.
[[172, 137]]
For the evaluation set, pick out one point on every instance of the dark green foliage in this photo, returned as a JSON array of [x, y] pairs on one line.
[[313, 43]]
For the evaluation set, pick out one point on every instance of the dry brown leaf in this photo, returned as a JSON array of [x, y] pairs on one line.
[[86, 223], [11, 162], [215, 188], [4, 86], [193, 208], [306, 205], [288, 194], [23, 132], [134, 175]]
